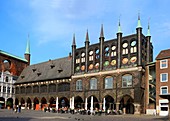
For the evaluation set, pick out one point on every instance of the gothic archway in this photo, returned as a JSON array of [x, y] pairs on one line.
[[95, 102], [63, 102], [29, 103], [110, 104], [126, 104], [78, 102], [36, 104]]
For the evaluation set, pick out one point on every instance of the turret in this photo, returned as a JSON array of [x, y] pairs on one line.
[[101, 39], [148, 37], [119, 40], [87, 49], [139, 40], [27, 52], [73, 54]]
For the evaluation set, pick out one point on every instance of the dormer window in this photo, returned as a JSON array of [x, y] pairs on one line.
[[22, 76], [60, 69], [52, 66], [34, 69], [38, 73]]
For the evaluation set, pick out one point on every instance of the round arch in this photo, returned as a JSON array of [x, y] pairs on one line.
[[2, 102], [22, 102], [16, 101], [110, 103], [29, 103], [126, 104], [9, 103], [36, 104], [63, 102], [52, 102], [95, 102], [78, 102], [43, 103]]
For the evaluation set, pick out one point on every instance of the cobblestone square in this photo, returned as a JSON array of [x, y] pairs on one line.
[[32, 115]]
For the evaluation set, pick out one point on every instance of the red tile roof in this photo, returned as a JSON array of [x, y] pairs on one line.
[[163, 54]]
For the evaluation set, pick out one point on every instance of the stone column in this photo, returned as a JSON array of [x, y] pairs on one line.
[[100, 106], [39, 106], [25, 105], [32, 107], [137, 108], [91, 110], [117, 106]]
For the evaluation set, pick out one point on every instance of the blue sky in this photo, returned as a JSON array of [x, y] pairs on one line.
[[52, 23]]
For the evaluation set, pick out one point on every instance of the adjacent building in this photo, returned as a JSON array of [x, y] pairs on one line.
[[162, 81], [11, 67]]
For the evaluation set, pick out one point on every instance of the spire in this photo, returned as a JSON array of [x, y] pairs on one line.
[[148, 33], [139, 23], [87, 36], [119, 28], [28, 46], [74, 40], [101, 32]]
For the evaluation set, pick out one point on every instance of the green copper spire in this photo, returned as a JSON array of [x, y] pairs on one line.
[[28, 46], [139, 23], [119, 28], [148, 33]]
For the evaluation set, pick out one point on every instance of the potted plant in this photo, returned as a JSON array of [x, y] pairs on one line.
[[9, 104]]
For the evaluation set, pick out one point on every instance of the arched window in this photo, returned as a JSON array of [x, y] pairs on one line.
[[91, 55], [79, 85], [127, 80], [108, 82], [83, 57], [6, 79], [133, 47], [28, 89], [125, 48], [106, 51], [36, 89], [93, 83]]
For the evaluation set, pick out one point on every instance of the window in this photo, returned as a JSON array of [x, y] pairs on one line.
[[127, 80], [163, 64], [109, 82], [125, 48], [77, 60], [164, 77], [6, 79], [79, 85], [164, 90], [4, 89], [8, 90], [93, 83]]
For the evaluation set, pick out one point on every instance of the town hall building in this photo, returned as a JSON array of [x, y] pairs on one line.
[[108, 75]]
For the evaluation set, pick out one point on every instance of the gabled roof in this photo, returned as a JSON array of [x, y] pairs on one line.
[[13, 56], [50, 70], [163, 54]]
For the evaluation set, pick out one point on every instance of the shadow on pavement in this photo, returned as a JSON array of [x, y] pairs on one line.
[[14, 119], [162, 119]]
